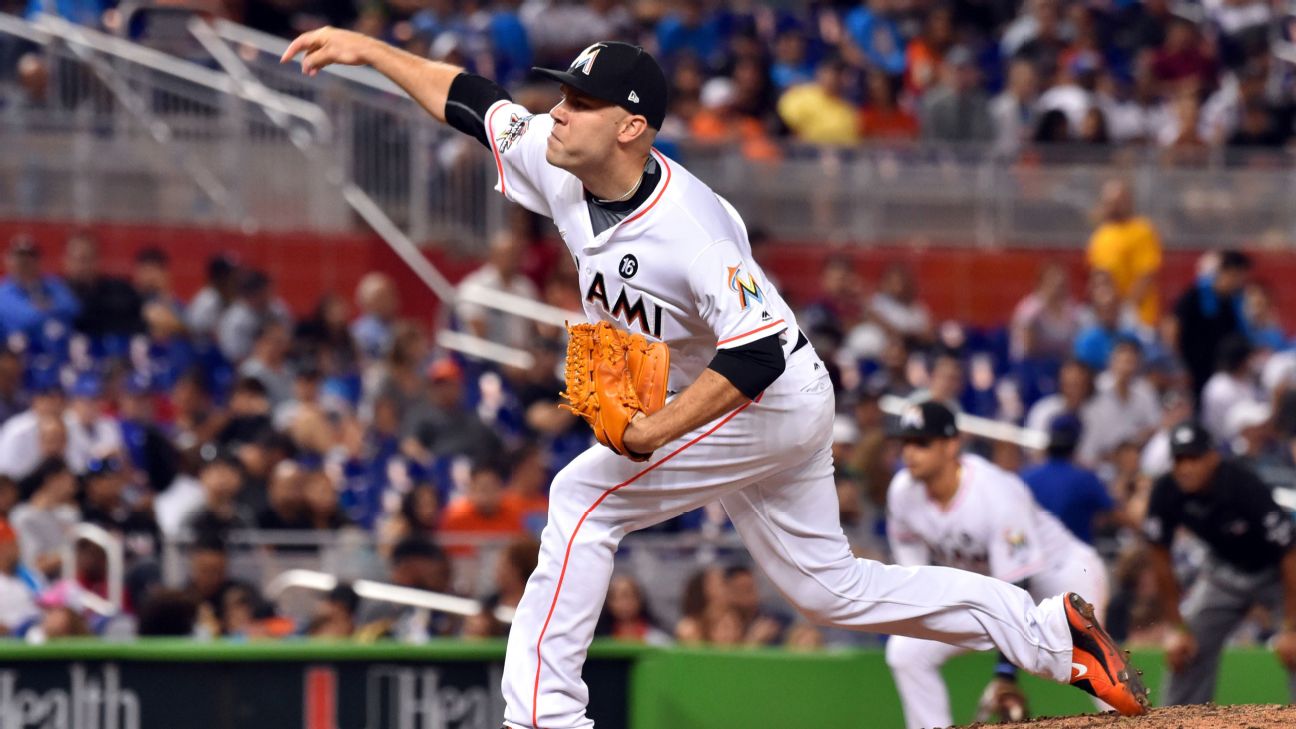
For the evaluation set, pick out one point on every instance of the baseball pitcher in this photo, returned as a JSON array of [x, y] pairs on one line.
[[748, 408]]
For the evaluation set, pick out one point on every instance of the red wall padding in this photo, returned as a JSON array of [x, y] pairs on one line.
[[981, 287], [303, 266], [974, 285]]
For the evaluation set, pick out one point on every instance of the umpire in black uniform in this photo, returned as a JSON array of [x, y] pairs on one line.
[[1251, 561]]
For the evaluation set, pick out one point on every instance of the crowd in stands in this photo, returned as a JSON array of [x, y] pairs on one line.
[[200, 421], [122, 406], [1185, 76], [1178, 75]]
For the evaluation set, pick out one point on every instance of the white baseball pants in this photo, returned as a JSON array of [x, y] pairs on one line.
[[770, 465], [915, 663]]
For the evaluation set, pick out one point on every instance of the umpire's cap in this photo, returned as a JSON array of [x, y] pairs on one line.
[[619, 73], [925, 420], [1189, 440]]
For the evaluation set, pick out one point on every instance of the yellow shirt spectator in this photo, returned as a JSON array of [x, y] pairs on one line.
[[818, 116], [1129, 250]]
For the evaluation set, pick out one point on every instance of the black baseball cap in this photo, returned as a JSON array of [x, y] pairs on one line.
[[1189, 440], [1064, 433], [928, 419], [620, 73]]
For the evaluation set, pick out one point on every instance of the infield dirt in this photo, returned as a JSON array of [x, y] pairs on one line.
[[1209, 716]]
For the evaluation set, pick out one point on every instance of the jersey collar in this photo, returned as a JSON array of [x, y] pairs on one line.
[[602, 238]]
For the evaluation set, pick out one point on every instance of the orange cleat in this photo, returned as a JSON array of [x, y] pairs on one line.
[[1098, 666]]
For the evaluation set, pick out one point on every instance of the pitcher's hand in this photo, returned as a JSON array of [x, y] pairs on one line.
[[328, 45], [1180, 648], [1285, 648]]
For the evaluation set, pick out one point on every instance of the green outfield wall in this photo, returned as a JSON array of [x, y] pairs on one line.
[[189, 685]]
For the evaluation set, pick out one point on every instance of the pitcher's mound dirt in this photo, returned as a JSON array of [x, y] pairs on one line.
[[1257, 716]]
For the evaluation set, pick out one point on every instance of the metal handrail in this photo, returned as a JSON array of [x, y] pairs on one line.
[[47, 27], [482, 348], [209, 36], [978, 426], [112, 546], [383, 592], [505, 301], [273, 45]]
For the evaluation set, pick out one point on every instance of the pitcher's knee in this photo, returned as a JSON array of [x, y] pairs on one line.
[[822, 607], [907, 654]]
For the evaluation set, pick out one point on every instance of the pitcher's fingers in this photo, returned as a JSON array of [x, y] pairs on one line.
[[314, 60], [298, 43]]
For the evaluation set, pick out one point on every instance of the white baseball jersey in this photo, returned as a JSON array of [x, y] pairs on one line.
[[992, 525], [679, 269]]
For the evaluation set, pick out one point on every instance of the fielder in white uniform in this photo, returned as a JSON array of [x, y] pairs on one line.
[[751, 424], [959, 510]]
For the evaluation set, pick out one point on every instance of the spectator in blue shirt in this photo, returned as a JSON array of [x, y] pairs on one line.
[[1071, 493], [510, 45], [792, 64], [40, 309], [876, 37], [1095, 342], [689, 30], [81, 12], [379, 304]]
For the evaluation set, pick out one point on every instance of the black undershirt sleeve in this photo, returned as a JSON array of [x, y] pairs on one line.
[[752, 367], [469, 97]]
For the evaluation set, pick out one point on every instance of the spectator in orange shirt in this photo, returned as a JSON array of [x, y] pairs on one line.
[[528, 483], [719, 122], [883, 117], [924, 53], [481, 510]]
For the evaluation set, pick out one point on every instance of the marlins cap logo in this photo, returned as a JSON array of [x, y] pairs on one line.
[[585, 61], [912, 418]]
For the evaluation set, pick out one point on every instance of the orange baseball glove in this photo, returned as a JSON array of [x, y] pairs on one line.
[[612, 376]]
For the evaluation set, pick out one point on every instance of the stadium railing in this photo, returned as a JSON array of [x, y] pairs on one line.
[[122, 132], [431, 184], [382, 592], [262, 557], [129, 132]]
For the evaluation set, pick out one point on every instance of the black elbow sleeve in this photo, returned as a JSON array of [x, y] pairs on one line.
[[752, 367], [469, 97]]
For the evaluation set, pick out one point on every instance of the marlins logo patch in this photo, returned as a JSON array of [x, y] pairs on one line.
[[585, 61], [1016, 541], [517, 126], [744, 286]]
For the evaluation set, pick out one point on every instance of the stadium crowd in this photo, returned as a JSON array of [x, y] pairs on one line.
[[199, 422], [1185, 77]]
